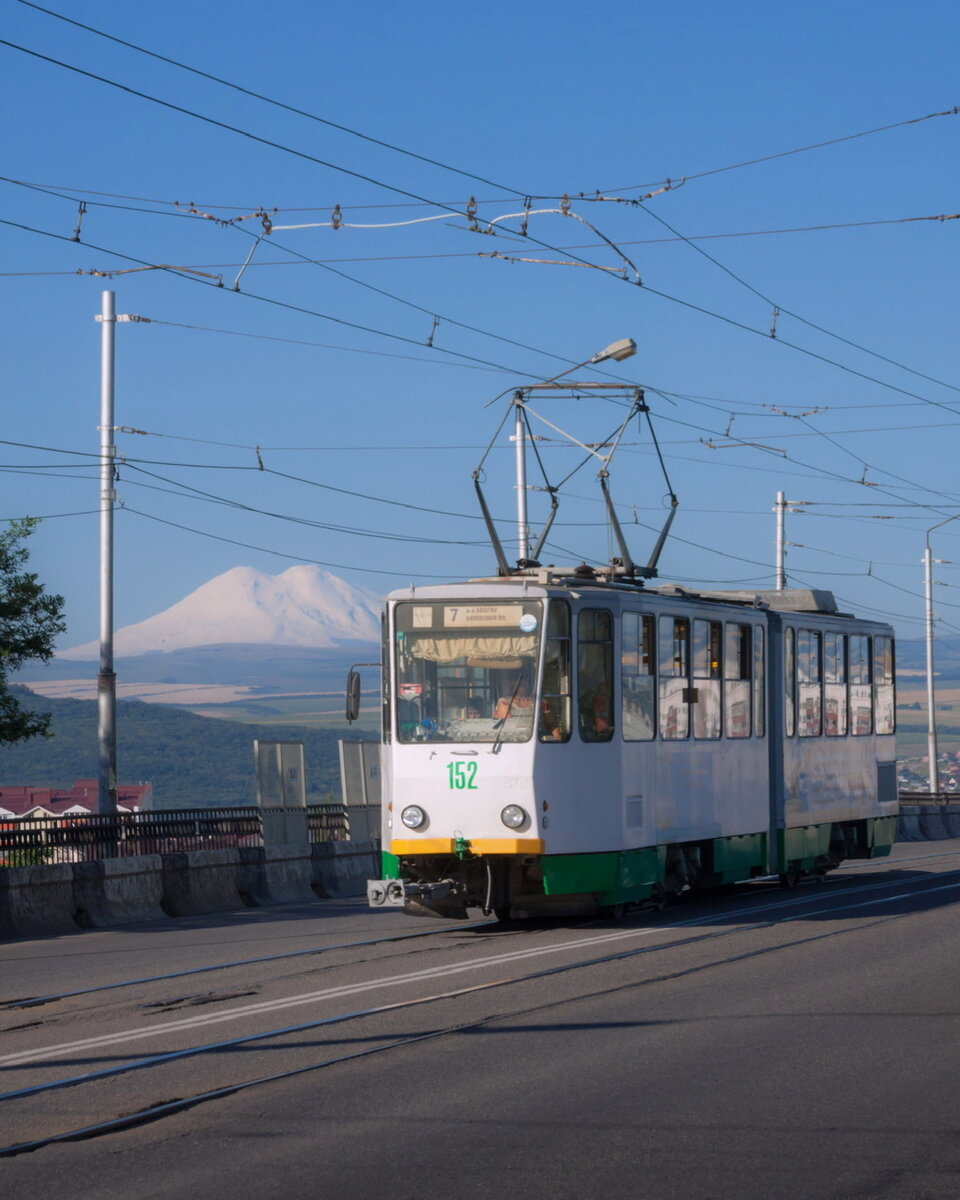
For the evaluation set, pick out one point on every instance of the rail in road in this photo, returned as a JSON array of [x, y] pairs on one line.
[[108, 1071]]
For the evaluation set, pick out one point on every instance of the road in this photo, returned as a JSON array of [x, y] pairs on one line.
[[758, 1043]]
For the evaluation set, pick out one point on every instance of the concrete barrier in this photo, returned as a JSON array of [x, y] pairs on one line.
[[928, 822], [63, 897], [200, 881], [931, 825], [908, 824], [37, 899], [276, 875], [116, 891], [343, 868]]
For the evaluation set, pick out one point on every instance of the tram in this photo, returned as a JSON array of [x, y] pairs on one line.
[[568, 741]]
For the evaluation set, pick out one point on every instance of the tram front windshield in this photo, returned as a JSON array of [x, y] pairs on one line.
[[466, 672]]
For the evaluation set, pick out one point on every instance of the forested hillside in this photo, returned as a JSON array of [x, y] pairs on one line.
[[190, 760]]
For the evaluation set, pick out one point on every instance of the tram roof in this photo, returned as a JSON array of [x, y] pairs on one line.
[[538, 581]]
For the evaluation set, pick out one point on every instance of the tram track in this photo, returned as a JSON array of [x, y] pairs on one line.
[[857, 899], [112, 1040], [38, 1001], [28, 1002]]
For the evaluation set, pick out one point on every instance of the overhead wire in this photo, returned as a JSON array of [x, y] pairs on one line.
[[307, 259], [187, 490], [277, 553], [265, 99], [815, 468], [312, 158], [783, 311], [384, 258], [244, 132], [446, 166], [752, 162], [283, 304], [881, 382]]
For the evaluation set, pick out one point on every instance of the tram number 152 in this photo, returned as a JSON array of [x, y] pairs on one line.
[[462, 776]]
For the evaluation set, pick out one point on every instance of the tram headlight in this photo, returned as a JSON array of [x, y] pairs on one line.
[[413, 816], [514, 817]]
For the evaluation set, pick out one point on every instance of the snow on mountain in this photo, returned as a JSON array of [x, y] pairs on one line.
[[303, 606]]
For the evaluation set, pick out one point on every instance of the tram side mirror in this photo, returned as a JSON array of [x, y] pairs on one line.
[[353, 696]]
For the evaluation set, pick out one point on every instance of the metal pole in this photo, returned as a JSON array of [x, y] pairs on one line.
[[520, 451], [933, 774], [780, 576], [106, 679]]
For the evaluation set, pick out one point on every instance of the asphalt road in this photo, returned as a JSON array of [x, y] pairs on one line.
[[760, 1043]]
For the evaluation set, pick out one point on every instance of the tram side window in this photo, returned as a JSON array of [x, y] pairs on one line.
[[555, 706], [674, 654], [861, 686], [736, 683], [706, 678], [808, 681], [834, 684], [884, 700], [595, 674], [759, 708], [637, 678], [789, 681]]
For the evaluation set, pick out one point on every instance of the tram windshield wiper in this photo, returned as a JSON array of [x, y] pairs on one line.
[[500, 724]]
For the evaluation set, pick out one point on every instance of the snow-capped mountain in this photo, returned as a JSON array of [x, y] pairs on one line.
[[303, 606]]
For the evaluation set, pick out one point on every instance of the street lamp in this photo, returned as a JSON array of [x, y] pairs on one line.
[[933, 775], [617, 351]]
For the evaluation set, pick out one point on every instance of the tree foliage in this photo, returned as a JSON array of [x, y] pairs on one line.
[[30, 619]]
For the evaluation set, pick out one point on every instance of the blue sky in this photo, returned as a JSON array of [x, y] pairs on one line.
[[319, 352]]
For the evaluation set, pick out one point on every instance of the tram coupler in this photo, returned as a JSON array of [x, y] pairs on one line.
[[396, 892]]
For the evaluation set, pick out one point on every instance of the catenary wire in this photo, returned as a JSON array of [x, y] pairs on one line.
[[445, 166], [948, 112], [267, 99], [535, 241], [278, 553], [783, 311]]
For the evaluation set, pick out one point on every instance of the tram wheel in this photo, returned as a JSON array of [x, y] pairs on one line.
[[502, 913], [791, 878], [615, 912]]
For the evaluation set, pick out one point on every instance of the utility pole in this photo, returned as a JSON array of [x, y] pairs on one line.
[[780, 575], [106, 679], [781, 508], [520, 450], [933, 775]]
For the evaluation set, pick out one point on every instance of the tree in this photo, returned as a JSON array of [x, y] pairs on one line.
[[30, 619]]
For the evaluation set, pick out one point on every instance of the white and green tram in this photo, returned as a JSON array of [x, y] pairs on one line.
[[565, 741]]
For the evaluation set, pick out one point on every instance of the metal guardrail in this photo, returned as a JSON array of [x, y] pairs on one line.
[[35, 841], [930, 797]]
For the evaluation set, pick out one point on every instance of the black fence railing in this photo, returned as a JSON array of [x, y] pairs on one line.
[[34, 841], [327, 823], [343, 822]]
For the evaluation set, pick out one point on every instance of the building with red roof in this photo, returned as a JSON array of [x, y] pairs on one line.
[[22, 800]]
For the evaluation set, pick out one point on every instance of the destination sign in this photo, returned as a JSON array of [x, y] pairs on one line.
[[481, 616]]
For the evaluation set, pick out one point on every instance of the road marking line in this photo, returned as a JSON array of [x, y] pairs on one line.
[[513, 956]]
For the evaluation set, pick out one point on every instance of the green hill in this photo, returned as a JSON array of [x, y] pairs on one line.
[[189, 760]]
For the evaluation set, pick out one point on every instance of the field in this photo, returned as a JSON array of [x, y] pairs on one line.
[[912, 718]]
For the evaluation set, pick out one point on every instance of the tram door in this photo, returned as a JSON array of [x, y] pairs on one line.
[[591, 761]]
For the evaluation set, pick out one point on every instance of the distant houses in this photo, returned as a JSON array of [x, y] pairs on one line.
[[21, 800]]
